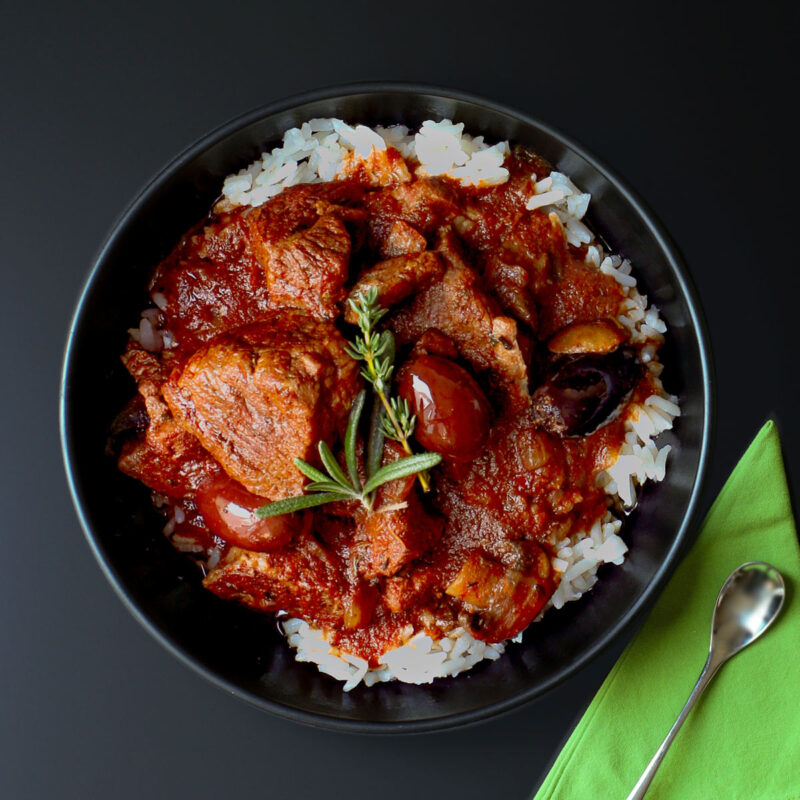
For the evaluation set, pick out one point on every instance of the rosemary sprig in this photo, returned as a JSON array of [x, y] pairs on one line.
[[334, 484], [376, 349], [391, 418]]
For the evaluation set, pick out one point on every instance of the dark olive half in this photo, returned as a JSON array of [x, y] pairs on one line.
[[581, 393]]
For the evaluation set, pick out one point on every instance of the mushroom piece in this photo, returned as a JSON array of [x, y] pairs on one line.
[[600, 336], [581, 393]]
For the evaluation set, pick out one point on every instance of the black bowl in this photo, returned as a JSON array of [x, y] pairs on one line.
[[241, 650]]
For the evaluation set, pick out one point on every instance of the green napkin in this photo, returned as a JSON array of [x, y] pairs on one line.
[[742, 740]]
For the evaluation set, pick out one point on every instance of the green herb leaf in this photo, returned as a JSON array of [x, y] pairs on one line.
[[330, 486], [332, 465], [356, 351], [376, 440], [402, 468], [387, 346], [291, 504], [310, 472], [350, 439]]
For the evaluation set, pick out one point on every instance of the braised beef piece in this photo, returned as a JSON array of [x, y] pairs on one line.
[[211, 282], [396, 279], [226, 237], [511, 362], [399, 536], [234, 269], [434, 343], [426, 204], [400, 529], [422, 206], [578, 295], [458, 306], [261, 396], [410, 587], [303, 579], [511, 489], [145, 366], [502, 600], [530, 252], [164, 456], [166, 459], [354, 220], [308, 269], [303, 239], [299, 207], [401, 239], [148, 443]]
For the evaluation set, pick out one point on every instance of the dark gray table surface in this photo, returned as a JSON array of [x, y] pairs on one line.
[[692, 104]]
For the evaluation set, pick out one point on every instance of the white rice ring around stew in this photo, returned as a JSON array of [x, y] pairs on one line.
[[316, 152]]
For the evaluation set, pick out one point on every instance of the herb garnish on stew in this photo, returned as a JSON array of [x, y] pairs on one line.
[[392, 419]]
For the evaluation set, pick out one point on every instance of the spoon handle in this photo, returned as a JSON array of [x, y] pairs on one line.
[[709, 671]]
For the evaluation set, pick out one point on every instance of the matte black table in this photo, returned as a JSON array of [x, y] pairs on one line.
[[692, 105]]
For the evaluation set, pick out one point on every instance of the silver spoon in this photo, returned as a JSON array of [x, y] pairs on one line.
[[746, 606]]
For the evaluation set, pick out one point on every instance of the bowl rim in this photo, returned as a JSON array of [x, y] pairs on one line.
[[641, 603]]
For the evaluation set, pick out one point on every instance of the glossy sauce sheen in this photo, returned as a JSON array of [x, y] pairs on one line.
[[501, 284]]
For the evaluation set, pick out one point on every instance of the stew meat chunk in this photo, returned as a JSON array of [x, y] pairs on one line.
[[263, 395], [401, 529], [303, 579], [308, 269], [401, 240], [162, 455], [458, 306], [396, 279]]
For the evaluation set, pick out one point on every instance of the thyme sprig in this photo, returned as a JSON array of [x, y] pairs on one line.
[[335, 484], [377, 350]]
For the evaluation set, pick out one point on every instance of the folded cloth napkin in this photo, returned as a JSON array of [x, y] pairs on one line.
[[742, 740]]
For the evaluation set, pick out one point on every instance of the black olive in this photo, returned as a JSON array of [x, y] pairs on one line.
[[581, 393], [133, 419]]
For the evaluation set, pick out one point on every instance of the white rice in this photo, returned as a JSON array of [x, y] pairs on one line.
[[151, 333], [316, 152], [419, 660]]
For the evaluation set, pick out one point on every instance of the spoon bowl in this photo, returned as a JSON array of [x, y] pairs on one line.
[[747, 604]]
